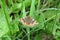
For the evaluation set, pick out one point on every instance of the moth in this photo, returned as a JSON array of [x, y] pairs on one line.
[[28, 21]]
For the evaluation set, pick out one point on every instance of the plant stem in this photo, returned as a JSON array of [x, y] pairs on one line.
[[28, 32]]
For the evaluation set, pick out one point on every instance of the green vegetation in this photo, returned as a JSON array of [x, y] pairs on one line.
[[45, 12]]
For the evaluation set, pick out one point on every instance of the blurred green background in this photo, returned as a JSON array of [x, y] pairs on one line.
[[45, 12]]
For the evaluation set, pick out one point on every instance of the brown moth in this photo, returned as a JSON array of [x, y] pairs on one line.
[[28, 21]]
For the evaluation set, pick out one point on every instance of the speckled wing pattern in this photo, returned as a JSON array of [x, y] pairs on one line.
[[28, 21]]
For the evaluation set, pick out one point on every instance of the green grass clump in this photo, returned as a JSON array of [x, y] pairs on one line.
[[45, 12]]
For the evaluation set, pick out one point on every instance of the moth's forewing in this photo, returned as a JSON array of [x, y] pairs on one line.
[[22, 21], [28, 21]]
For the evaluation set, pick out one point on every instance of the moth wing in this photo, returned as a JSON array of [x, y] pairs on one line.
[[34, 23]]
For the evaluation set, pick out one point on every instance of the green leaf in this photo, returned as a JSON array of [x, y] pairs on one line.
[[49, 27], [14, 24], [6, 13], [10, 2], [38, 37], [57, 38], [14, 27], [19, 5], [6, 37], [32, 9], [28, 32], [23, 10], [58, 33], [3, 24]]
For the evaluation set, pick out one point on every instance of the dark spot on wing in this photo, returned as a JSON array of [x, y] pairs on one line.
[[28, 20]]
